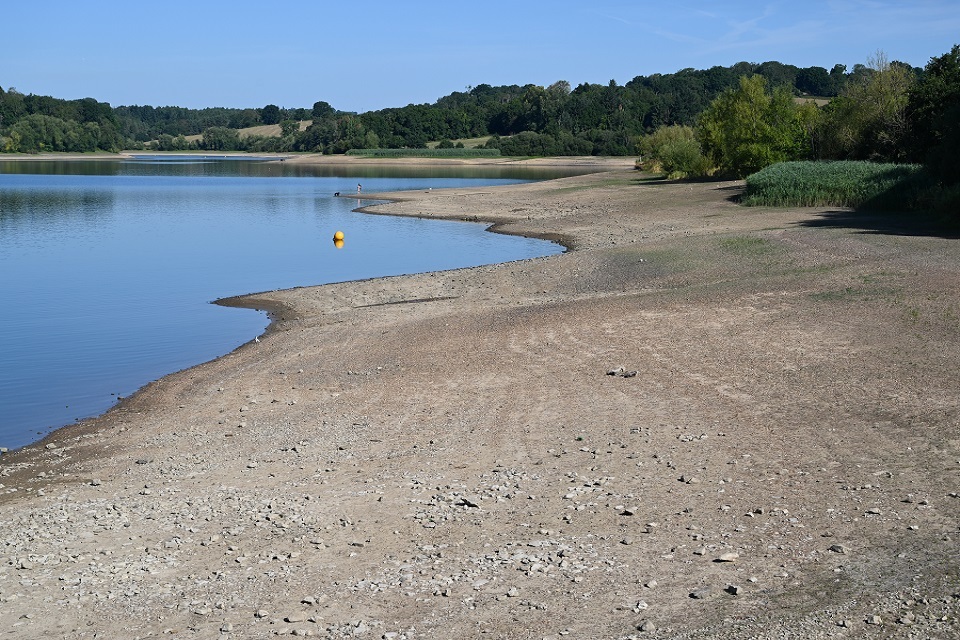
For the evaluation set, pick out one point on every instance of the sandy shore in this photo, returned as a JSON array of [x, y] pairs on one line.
[[704, 421], [599, 163]]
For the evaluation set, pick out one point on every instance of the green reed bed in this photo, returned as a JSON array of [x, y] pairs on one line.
[[853, 184]]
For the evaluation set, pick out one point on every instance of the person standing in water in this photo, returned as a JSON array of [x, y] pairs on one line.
[[359, 188]]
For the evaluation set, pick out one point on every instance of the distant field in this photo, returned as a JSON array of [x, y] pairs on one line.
[[469, 143], [273, 130], [265, 130], [269, 130], [814, 99]]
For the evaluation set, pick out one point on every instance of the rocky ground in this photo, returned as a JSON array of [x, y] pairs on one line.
[[704, 421]]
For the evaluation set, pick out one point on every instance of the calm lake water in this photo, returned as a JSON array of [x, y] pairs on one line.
[[108, 268]]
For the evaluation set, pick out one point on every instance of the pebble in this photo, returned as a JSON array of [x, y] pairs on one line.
[[728, 557]]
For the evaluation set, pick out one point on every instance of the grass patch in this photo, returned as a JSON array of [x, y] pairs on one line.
[[425, 153], [748, 246], [854, 184], [859, 294]]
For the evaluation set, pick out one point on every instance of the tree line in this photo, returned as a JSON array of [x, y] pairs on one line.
[[890, 114], [555, 120]]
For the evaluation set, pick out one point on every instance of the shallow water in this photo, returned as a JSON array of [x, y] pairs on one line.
[[108, 269]]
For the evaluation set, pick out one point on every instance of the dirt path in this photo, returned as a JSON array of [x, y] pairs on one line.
[[704, 422]]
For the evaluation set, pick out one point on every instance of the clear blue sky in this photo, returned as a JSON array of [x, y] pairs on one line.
[[361, 56]]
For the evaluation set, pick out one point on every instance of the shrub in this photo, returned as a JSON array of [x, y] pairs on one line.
[[674, 150]]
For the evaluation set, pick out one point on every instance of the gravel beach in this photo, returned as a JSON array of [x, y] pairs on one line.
[[702, 421]]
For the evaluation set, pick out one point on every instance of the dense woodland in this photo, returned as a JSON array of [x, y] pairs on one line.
[[719, 121], [590, 119]]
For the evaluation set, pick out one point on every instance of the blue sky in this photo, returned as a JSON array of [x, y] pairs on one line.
[[361, 56]]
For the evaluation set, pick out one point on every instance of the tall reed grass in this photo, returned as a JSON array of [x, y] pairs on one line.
[[854, 184]]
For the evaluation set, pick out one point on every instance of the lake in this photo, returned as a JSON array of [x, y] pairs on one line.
[[108, 268]]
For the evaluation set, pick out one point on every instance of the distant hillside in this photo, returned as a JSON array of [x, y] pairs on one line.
[[262, 130], [268, 130]]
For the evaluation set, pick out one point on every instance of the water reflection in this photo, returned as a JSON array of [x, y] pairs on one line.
[[38, 206], [259, 166], [109, 267]]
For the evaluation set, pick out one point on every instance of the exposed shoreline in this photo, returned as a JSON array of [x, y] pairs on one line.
[[601, 163], [467, 452]]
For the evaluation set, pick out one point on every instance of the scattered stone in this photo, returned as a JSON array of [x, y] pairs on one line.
[[907, 619], [875, 620], [628, 540], [734, 590], [840, 548], [513, 592], [646, 626], [701, 593], [728, 557]]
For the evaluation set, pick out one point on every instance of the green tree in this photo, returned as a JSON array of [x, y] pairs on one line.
[[289, 127], [815, 81], [270, 114], [933, 112], [221, 139], [748, 128], [674, 150], [868, 121], [322, 110]]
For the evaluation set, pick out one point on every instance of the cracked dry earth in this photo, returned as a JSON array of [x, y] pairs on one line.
[[704, 421]]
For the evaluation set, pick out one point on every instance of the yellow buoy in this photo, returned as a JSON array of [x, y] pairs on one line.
[[338, 235]]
